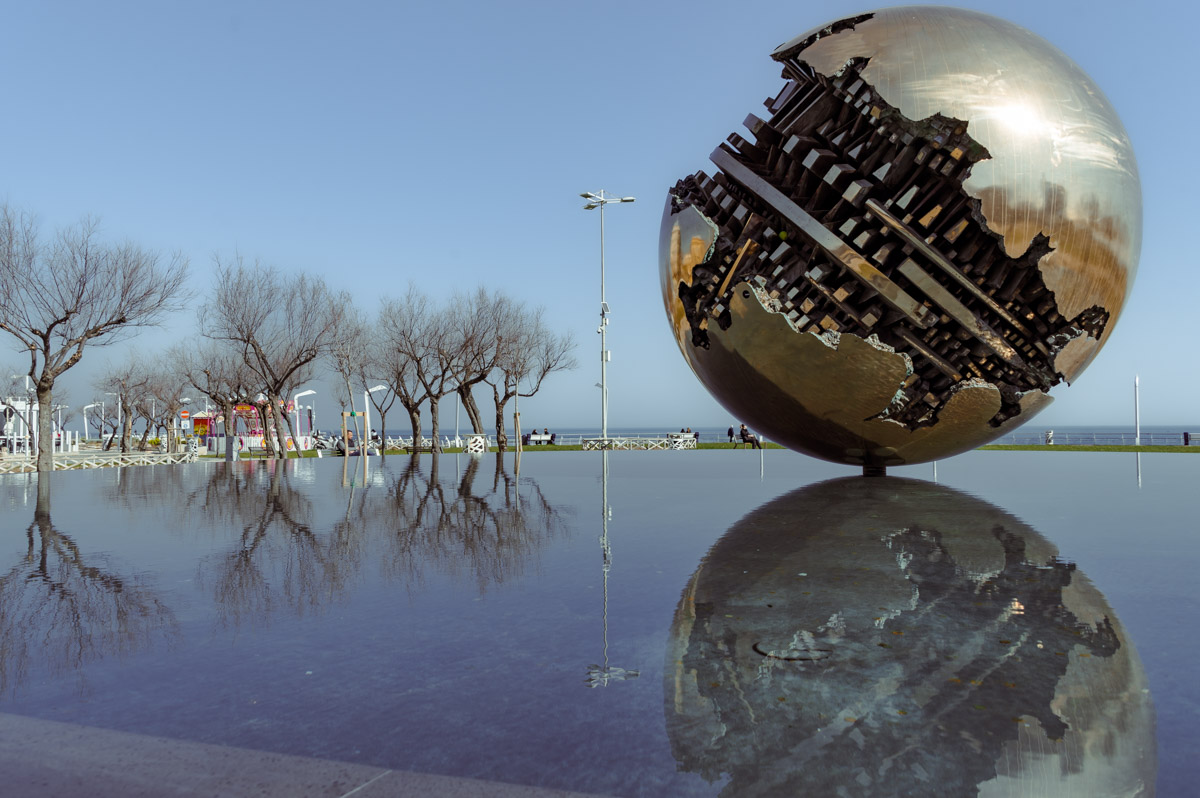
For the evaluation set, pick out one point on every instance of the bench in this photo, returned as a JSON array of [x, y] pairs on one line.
[[419, 448], [537, 438]]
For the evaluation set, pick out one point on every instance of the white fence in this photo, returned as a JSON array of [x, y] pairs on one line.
[[1085, 438], [21, 463]]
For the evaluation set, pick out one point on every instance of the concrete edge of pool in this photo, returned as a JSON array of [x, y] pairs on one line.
[[48, 758]]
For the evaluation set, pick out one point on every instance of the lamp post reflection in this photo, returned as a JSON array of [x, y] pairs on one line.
[[601, 675]]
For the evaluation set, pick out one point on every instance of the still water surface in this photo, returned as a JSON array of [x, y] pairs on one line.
[[735, 623]]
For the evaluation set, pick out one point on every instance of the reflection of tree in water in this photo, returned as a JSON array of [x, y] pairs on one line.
[[896, 638], [421, 521], [61, 608], [490, 533], [279, 559]]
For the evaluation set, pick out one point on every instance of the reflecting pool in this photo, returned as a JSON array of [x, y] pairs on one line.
[[630, 623]]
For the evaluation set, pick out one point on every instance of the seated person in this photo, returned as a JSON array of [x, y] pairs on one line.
[[749, 437]]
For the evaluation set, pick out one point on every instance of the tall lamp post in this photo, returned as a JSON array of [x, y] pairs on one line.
[[296, 408], [598, 199], [366, 433], [83, 413]]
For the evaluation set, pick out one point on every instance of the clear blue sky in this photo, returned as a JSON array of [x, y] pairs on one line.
[[374, 143]]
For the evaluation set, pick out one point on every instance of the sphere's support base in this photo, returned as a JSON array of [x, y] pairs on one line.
[[874, 471]]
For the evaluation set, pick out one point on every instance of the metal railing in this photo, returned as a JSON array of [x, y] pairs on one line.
[[1084, 438]]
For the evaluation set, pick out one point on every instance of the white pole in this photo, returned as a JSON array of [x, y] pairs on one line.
[[366, 433], [603, 335], [517, 417], [1137, 416], [598, 200]]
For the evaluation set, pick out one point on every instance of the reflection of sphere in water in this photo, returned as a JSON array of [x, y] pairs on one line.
[[900, 638], [938, 220]]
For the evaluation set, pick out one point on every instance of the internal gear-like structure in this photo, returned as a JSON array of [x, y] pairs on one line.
[[939, 221]]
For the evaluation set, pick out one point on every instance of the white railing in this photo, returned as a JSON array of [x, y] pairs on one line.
[[20, 464], [672, 441], [1085, 438]]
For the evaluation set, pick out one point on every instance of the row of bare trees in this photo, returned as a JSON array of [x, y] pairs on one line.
[[260, 332], [269, 333]]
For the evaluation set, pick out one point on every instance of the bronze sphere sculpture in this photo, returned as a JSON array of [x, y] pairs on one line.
[[938, 221]]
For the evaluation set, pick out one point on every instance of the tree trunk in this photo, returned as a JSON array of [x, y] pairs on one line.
[[230, 425], [354, 409], [45, 428], [382, 432], [467, 397], [414, 420], [280, 424], [433, 423], [265, 420], [501, 435], [287, 429], [292, 432], [145, 437], [126, 433]]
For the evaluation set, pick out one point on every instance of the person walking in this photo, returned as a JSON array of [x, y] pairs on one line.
[[729, 432]]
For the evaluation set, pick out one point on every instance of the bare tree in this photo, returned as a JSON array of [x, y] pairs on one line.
[[394, 366], [127, 384], [368, 369], [58, 299], [218, 371], [166, 393], [280, 325], [480, 321], [427, 336], [346, 355], [529, 352]]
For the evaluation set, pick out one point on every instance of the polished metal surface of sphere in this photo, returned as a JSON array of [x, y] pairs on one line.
[[938, 220]]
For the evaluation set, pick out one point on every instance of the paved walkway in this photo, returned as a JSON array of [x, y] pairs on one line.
[[45, 758]]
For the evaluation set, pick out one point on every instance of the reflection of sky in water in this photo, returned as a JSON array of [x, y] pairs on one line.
[[445, 622]]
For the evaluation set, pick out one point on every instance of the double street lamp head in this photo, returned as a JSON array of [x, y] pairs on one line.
[[597, 199]]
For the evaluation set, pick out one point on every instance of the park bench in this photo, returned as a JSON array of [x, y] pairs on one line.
[[744, 439], [418, 446], [538, 438], [681, 440]]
